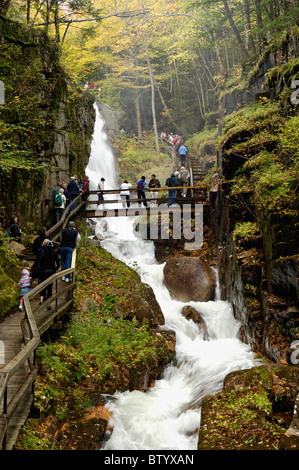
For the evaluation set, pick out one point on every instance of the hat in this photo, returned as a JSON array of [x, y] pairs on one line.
[[25, 272], [71, 224], [176, 173], [73, 178]]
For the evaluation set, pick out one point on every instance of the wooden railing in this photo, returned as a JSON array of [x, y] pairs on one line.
[[67, 215], [36, 321], [197, 193]]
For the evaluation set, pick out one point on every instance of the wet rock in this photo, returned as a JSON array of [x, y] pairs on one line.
[[83, 434], [144, 308], [191, 314], [189, 278], [284, 279]]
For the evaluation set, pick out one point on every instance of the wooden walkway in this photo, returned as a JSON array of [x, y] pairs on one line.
[[20, 335], [113, 208]]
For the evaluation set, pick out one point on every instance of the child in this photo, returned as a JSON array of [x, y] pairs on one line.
[[25, 284]]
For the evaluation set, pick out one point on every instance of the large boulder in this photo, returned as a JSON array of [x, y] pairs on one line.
[[189, 278], [142, 305]]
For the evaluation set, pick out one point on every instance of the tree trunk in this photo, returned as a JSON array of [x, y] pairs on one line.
[[138, 116], [235, 29], [247, 26], [153, 92], [259, 22]]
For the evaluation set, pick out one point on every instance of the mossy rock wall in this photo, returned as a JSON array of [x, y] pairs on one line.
[[46, 124], [255, 212]]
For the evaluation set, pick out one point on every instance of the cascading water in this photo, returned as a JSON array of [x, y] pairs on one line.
[[167, 416]]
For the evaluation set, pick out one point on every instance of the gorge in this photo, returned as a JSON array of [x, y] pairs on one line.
[[218, 373]]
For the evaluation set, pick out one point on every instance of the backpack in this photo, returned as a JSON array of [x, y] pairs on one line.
[[169, 182], [7, 233], [54, 194], [58, 199], [140, 184], [85, 185]]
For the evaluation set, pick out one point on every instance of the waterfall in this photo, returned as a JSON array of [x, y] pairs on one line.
[[168, 415], [101, 162]]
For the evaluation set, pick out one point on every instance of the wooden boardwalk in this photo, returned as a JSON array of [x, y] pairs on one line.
[[20, 335]]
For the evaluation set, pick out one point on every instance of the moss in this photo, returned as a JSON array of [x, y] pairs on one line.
[[239, 418], [10, 274]]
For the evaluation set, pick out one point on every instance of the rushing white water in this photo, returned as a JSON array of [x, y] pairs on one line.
[[167, 416]]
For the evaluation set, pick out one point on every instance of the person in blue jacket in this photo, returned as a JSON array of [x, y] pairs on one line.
[[74, 191], [141, 184], [183, 152]]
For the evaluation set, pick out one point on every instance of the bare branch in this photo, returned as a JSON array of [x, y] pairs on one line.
[[123, 14]]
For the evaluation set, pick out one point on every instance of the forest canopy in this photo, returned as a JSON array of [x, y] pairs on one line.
[[160, 63]]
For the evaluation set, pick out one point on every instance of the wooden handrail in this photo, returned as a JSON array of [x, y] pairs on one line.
[[164, 188], [67, 214], [31, 344]]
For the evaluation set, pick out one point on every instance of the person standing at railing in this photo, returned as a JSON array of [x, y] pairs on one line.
[[141, 184], [101, 187], [25, 285], [125, 193], [69, 239], [154, 183]]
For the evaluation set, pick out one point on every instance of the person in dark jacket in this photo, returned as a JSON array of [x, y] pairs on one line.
[[141, 184], [171, 183], [48, 265], [154, 183], [14, 230], [74, 191], [69, 239], [37, 242]]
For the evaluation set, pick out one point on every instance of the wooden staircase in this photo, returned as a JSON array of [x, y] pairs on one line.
[[198, 171]]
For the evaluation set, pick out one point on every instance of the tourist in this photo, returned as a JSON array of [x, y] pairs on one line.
[[101, 187], [184, 179], [13, 231], [25, 285], [171, 183], [69, 239], [125, 193], [66, 193], [141, 184], [37, 242], [60, 203], [48, 263], [154, 183], [85, 188], [74, 191], [183, 152]]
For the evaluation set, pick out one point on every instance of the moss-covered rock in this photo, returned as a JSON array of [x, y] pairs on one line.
[[252, 412]]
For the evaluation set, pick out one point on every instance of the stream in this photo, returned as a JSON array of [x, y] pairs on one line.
[[167, 416]]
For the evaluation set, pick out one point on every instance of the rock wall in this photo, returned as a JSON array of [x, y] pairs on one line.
[[47, 124], [259, 273]]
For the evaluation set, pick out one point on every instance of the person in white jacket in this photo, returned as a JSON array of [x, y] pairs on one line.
[[125, 193], [60, 204]]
